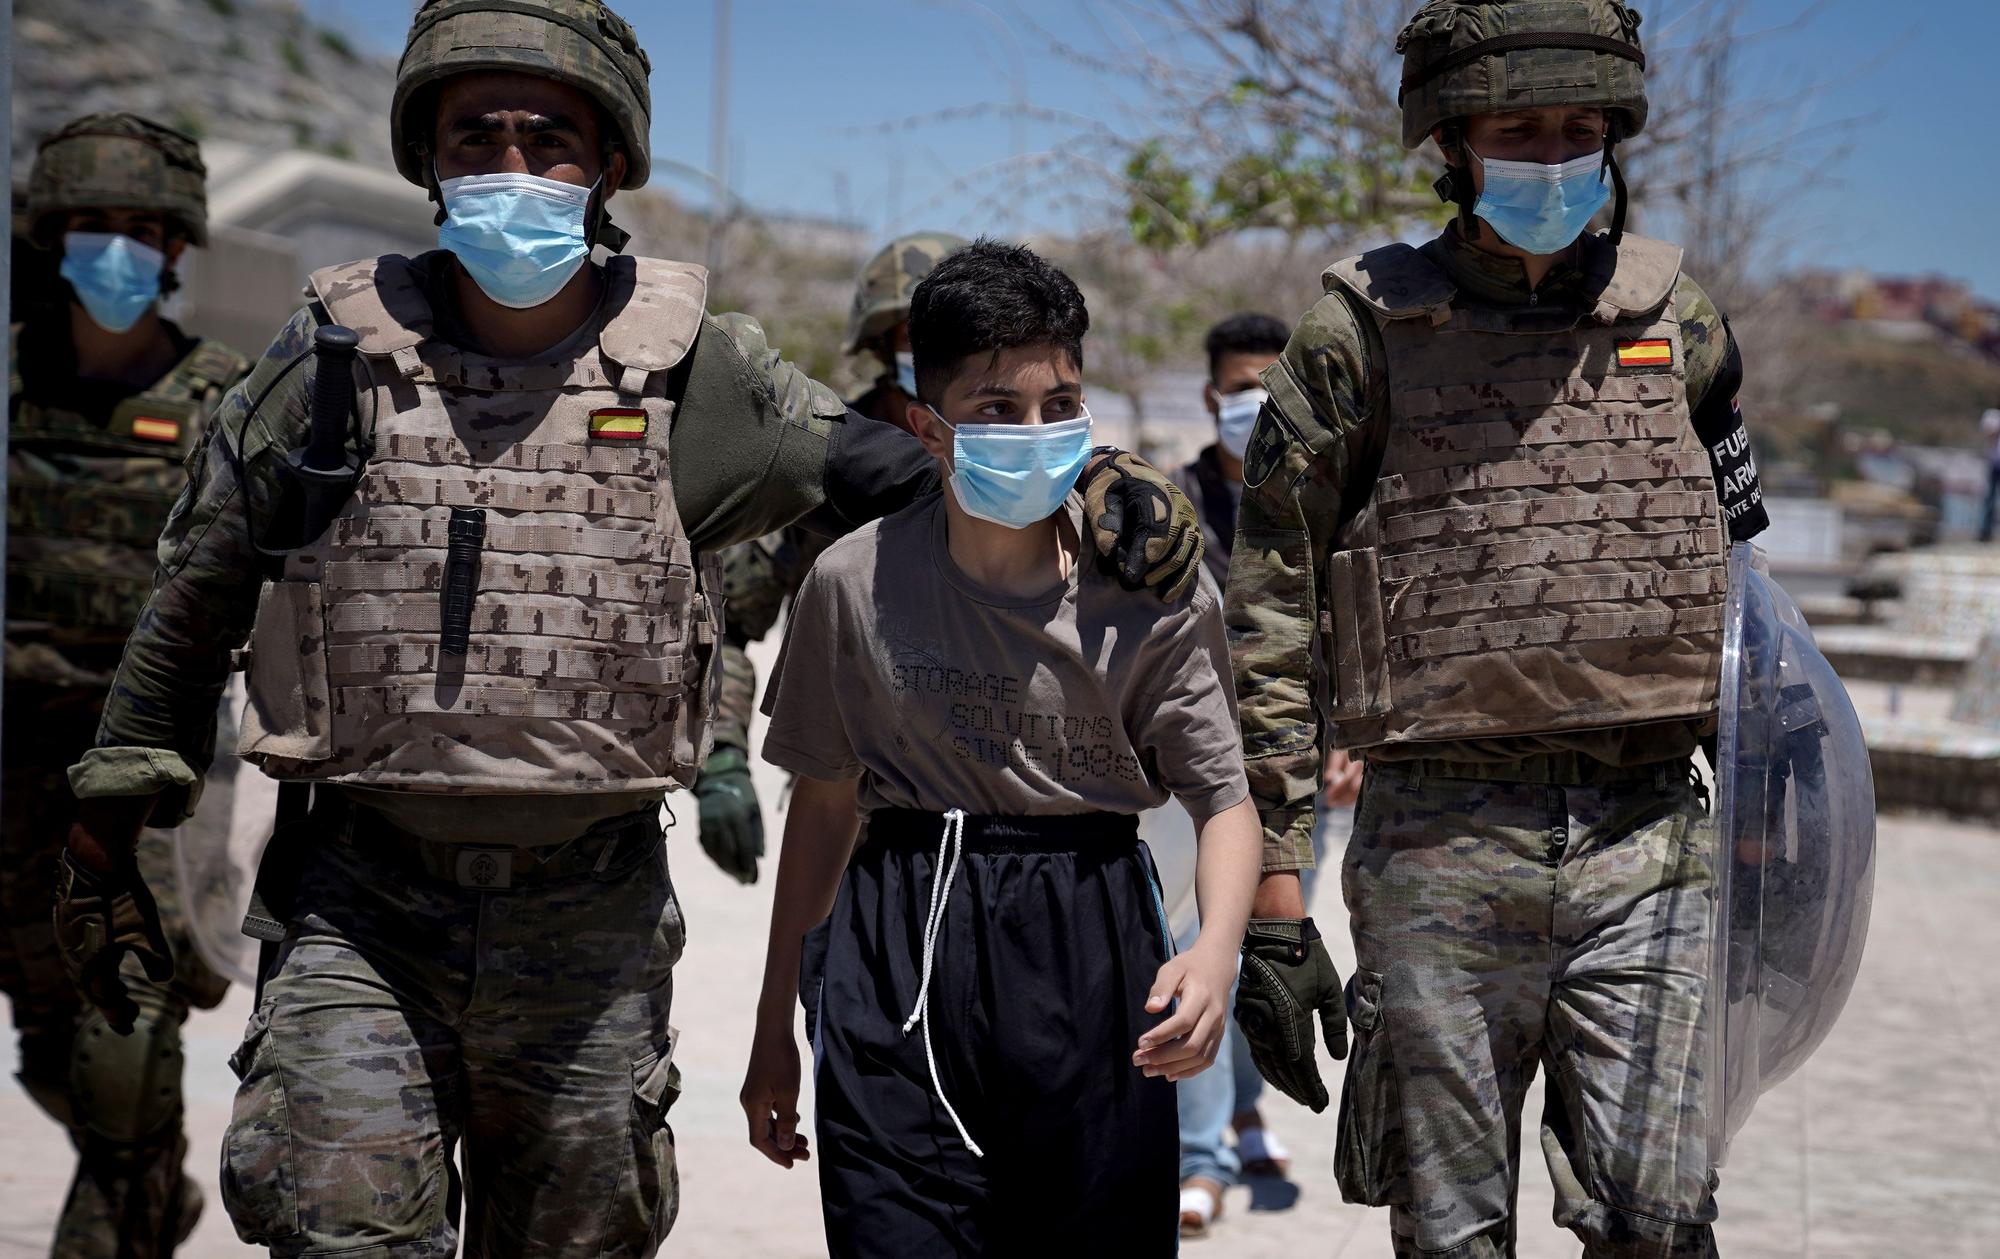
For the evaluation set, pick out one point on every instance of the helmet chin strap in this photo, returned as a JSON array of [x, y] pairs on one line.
[[1619, 198], [1455, 186]]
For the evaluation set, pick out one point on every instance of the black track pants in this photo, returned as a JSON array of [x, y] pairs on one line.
[[1049, 942]]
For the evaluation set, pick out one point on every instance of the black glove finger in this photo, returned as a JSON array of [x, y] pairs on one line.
[[1110, 526], [1333, 1022], [1183, 568]]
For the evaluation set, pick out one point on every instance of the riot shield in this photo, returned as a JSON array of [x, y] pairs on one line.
[[217, 851], [1795, 817]]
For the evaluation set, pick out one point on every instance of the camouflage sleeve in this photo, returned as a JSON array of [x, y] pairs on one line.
[[1327, 404], [751, 436], [739, 698], [754, 585], [158, 729], [1704, 335]]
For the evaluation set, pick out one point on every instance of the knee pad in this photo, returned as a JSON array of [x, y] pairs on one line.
[[126, 1090]]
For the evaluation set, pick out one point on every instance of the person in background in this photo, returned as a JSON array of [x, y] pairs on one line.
[[105, 400]]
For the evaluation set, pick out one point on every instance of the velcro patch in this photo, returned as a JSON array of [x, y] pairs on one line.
[[618, 424], [1656, 353], [149, 429]]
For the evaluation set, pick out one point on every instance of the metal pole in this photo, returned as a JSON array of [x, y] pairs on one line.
[[6, 278], [720, 205]]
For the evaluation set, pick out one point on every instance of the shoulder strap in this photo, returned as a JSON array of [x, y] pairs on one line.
[[210, 365], [1395, 281], [382, 299], [1638, 276], [654, 311]]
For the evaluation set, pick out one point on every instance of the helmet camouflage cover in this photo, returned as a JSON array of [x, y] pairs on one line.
[[578, 42], [1466, 57], [119, 161], [882, 294]]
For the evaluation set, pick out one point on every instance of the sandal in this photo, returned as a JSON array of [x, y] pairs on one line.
[[1262, 1153], [1201, 1206]]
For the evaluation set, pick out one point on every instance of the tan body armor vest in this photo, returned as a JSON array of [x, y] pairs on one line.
[[588, 664], [88, 498], [1543, 549]]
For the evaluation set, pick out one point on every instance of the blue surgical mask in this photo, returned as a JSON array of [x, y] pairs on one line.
[[115, 277], [1235, 416], [1016, 474], [906, 372], [520, 237], [1542, 209]]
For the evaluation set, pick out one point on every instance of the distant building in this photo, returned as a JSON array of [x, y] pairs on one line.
[[274, 218]]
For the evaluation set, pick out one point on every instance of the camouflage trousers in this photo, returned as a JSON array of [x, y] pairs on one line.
[[421, 1046], [1504, 924], [119, 1096]]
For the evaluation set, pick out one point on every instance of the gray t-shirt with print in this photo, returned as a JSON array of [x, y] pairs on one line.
[[939, 693]]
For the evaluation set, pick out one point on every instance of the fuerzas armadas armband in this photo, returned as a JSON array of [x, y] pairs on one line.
[[1718, 421]]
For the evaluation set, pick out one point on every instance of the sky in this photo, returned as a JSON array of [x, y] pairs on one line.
[[891, 114]]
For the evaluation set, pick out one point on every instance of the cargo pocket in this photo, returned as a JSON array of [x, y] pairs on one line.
[[259, 1188], [1360, 665], [290, 713], [656, 1184], [1371, 1161]]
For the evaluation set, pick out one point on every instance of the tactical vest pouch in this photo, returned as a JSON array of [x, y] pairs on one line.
[[290, 716], [1360, 678]]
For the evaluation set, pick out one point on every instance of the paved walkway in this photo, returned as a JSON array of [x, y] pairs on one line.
[[1887, 1143]]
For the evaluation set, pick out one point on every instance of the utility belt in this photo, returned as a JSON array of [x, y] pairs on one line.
[[1555, 769], [607, 851], [919, 829]]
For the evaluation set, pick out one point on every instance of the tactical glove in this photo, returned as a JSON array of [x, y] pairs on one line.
[[1286, 978], [99, 919], [1146, 532], [732, 824]]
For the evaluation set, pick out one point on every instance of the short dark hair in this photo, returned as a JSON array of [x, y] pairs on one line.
[[1247, 333], [987, 297]]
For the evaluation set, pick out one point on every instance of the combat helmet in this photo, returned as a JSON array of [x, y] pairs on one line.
[[118, 161], [882, 293], [578, 42], [1466, 57]]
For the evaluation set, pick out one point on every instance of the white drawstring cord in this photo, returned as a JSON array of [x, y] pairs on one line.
[[952, 842]]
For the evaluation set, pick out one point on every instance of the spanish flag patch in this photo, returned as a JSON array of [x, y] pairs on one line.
[[1646, 353], [618, 424], [148, 429]]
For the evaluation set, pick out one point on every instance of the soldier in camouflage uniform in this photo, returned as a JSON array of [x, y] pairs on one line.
[[1482, 545], [760, 577], [100, 419], [485, 671]]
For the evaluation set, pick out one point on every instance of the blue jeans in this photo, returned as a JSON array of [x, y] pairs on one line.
[[1330, 831]]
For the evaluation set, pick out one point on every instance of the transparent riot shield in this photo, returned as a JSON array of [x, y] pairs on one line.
[[1795, 816], [216, 852]]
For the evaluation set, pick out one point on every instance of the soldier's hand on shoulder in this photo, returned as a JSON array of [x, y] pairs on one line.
[[1143, 529]]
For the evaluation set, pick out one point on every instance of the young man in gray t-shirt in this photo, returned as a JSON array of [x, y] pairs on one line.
[[997, 1017]]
